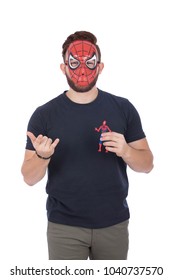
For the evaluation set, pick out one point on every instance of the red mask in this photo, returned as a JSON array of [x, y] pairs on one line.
[[82, 61]]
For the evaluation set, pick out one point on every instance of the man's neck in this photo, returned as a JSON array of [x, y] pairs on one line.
[[82, 97]]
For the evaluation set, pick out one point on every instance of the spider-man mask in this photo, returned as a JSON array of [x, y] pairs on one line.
[[82, 61]]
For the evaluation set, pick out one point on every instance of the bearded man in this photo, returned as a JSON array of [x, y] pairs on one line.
[[87, 188]]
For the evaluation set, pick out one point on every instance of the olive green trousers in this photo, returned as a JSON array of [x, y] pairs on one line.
[[78, 243]]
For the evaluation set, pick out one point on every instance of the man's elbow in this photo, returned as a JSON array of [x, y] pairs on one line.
[[28, 181], [150, 168], [150, 164]]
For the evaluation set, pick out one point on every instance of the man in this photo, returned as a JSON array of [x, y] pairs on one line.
[[87, 188]]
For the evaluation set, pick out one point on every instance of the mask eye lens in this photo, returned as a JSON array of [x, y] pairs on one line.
[[92, 62], [73, 62]]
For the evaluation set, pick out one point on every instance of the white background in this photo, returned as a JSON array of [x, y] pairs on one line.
[[135, 38]]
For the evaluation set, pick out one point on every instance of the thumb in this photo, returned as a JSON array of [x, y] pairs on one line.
[[31, 136]]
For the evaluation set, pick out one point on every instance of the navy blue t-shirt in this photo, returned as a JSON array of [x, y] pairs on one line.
[[86, 187]]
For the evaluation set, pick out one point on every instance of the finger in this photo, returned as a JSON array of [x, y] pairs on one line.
[[55, 143], [106, 134], [33, 138], [112, 137], [49, 142], [38, 140], [112, 133], [111, 149], [110, 144], [44, 140], [109, 138]]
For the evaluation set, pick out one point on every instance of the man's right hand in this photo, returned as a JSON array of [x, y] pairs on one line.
[[43, 145]]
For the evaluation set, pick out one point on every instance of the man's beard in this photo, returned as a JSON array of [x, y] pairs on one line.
[[81, 88]]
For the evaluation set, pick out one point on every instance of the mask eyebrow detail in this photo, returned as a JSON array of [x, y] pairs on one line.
[[92, 62], [73, 62]]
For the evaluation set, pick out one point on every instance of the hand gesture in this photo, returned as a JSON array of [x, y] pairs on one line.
[[43, 145]]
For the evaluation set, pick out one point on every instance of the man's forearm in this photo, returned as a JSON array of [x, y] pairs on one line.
[[34, 169], [139, 160]]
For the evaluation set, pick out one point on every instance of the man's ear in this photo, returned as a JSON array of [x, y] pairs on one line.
[[101, 66], [62, 67]]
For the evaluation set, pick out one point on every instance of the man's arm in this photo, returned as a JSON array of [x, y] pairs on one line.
[[137, 154], [34, 167]]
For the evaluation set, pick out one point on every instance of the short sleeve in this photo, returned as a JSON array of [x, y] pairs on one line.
[[36, 126], [134, 129]]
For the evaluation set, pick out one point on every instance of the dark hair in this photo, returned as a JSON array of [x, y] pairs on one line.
[[80, 35]]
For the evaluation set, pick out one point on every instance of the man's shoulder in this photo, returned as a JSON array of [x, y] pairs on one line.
[[51, 103], [115, 98]]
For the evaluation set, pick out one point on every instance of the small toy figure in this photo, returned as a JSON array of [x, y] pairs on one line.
[[102, 128]]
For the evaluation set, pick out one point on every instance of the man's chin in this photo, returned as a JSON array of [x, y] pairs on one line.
[[83, 88]]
